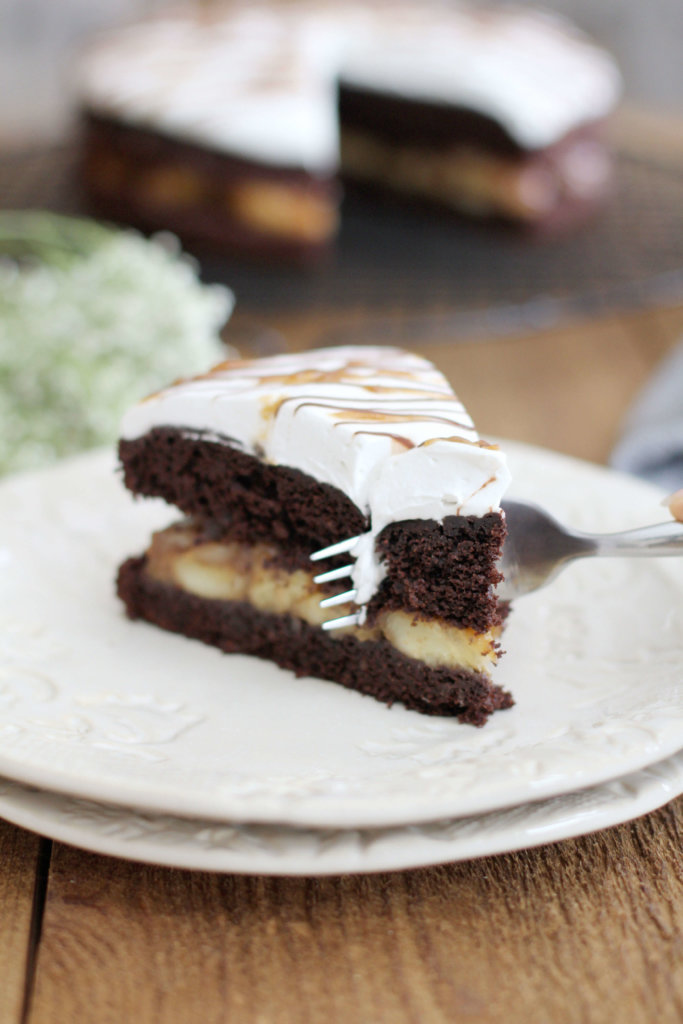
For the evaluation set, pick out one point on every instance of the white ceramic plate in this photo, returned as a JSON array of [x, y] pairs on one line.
[[96, 706], [282, 850]]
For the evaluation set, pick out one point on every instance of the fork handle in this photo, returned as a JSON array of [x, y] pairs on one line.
[[661, 539]]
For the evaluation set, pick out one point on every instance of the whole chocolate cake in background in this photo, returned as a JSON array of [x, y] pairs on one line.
[[233, 125], [270, 460]]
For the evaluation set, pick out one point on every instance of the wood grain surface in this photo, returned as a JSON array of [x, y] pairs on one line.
[[19, 867], [587, 930]]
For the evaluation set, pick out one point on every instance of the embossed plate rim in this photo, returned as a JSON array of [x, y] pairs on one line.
[[191, 843], [158, 744]]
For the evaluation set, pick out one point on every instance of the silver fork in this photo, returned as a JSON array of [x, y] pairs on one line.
[[536, 549]]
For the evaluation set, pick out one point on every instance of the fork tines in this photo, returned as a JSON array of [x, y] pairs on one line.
[[340, 548], [343, 572]]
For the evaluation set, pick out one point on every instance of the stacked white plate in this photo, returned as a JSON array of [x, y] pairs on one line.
[[123, 739]]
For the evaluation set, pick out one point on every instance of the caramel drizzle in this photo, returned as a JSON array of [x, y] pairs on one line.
[[481, 487], [479, 443], [382, 394], [350, 415], [405, 442], [310, 376]]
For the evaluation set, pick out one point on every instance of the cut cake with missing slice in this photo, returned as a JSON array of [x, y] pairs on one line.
[[272, 459], [231, 124]]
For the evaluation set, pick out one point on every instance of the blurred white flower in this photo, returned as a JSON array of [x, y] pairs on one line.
[[91, 320]]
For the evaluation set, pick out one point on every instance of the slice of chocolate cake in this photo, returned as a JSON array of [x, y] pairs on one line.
[[272, 459], [223, 123]]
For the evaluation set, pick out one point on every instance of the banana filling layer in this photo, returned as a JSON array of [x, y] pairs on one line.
[[474, 181], [277, 208], [231, 571], [283, 210]]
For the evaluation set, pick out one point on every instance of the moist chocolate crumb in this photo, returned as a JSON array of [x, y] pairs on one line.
[[249, 499], [443, 570]]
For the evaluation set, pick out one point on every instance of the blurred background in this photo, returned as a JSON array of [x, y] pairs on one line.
[[38, 39], [532, 335]]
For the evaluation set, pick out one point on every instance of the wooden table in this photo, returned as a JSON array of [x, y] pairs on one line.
[[587, 930]]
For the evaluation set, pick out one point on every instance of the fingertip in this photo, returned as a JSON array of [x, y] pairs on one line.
[[674, 503]]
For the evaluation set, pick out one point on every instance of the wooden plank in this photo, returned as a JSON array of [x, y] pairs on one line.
[[655, 135], [19, 859], [657, 332], [557, 389], [590, 929]]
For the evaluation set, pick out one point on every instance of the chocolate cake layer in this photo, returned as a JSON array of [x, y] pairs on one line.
[[373, 668], [144, 177], [445, 570], [248, 498], [416, 122]]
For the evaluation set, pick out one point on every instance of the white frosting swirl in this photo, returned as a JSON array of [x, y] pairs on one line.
[[380, 424], [260, 81]]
